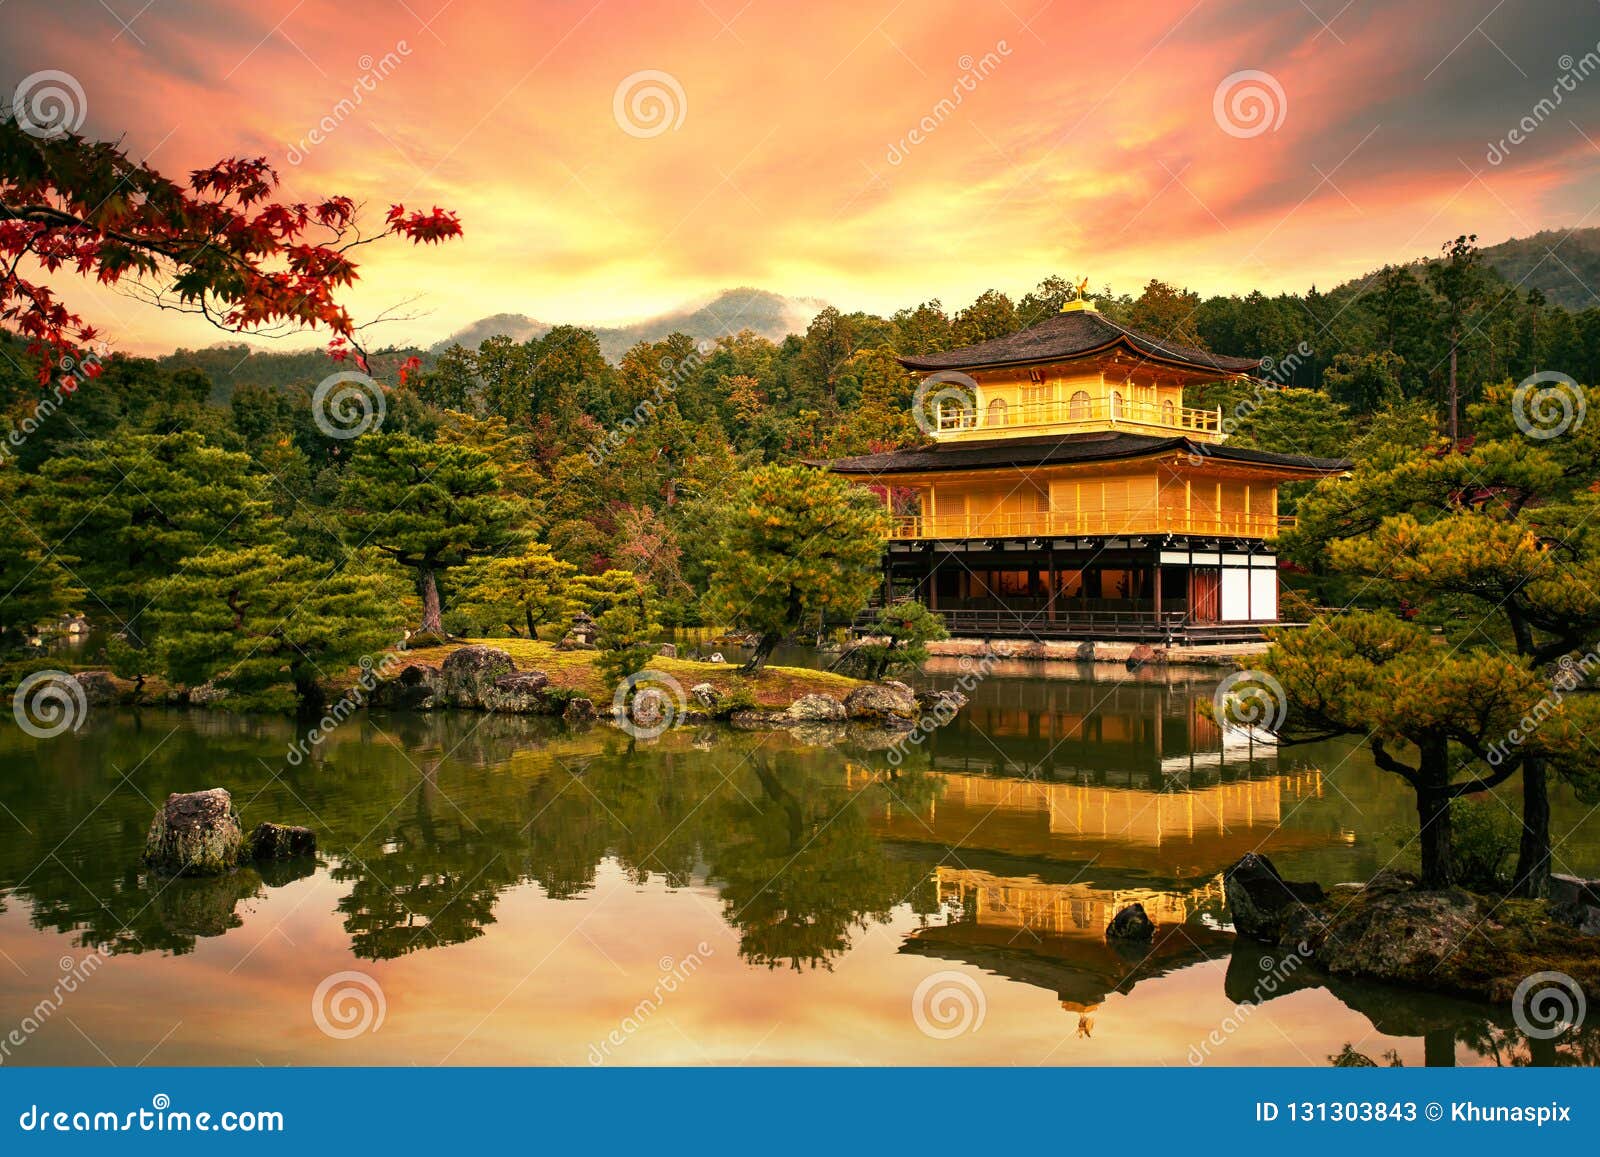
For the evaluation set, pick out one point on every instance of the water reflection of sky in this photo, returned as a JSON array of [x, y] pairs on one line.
[[517, 889]]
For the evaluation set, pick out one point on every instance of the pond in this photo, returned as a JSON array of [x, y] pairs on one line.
[[506, 890]]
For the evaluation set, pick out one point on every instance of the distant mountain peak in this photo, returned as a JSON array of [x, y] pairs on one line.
[[770, 315]]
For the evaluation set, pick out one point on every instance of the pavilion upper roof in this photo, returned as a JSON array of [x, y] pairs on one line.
[[1073, 334]]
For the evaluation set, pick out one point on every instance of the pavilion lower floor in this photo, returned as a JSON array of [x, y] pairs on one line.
[[1172, 589]]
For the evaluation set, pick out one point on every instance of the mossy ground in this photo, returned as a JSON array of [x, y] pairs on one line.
[[576, 671]]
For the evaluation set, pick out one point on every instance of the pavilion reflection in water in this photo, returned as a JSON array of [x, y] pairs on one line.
[[1060, 804]]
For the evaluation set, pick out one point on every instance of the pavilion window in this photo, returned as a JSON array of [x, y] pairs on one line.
[[1078, 406], [1116, 405], [1169, 413], [997, 412]]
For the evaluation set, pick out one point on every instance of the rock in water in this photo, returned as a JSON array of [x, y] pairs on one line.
[[418, 687], [195, 834], [578, 709], [1401, 937], [886, 702], [519, 693], [282, 842], [1132, 923], [98, 687], [1259, 897], [707, 696]]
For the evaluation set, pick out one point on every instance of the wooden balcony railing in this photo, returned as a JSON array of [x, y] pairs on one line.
[[953, 420], [1065, 523]]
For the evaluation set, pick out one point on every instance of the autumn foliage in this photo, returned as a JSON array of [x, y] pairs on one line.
[[216, 244]]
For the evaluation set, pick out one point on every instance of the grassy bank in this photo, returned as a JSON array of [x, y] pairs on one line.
[[576, 671]]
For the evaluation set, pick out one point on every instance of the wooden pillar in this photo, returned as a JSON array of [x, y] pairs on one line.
[[1050, 594]]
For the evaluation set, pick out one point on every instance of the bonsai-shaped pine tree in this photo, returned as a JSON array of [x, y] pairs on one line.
[[1498, 544], [898, 639], [795, 545], [523, 590], [273, 630], [625, 636], [1447, 722], [430, 507]]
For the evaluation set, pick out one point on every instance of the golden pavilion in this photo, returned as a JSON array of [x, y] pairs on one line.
[[1069, 493]]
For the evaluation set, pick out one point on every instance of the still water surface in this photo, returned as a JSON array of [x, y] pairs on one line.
[[523, 893]]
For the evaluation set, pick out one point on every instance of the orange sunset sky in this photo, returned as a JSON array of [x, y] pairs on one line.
[[1088, 139]]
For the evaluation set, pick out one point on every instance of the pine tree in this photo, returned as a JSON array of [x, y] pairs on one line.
[[131, 509], [34, 582], [795, 545], [523, 590], [273, 630], [430, 507]]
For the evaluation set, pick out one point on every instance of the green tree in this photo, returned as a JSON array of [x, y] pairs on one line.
[[273, 630], [897, 639], [526, 589], [34, 583], [430, 507], [795, 545], [1458, 280], [625, 637], [1495, 543], [132, 508], [1378, 677]]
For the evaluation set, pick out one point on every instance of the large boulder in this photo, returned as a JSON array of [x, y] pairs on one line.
[[1576, 903], [282, 842], [195, 833], [707, 696], [942, 705], [98, 687], [418, 687], [1132, 923], [578, 710], [471, 671], [1259, 898], [519, 693], [816, 709], [886, 702], [1399, 937]]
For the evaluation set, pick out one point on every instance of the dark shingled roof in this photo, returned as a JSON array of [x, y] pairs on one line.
[[1071, 335], [1063, 451]]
